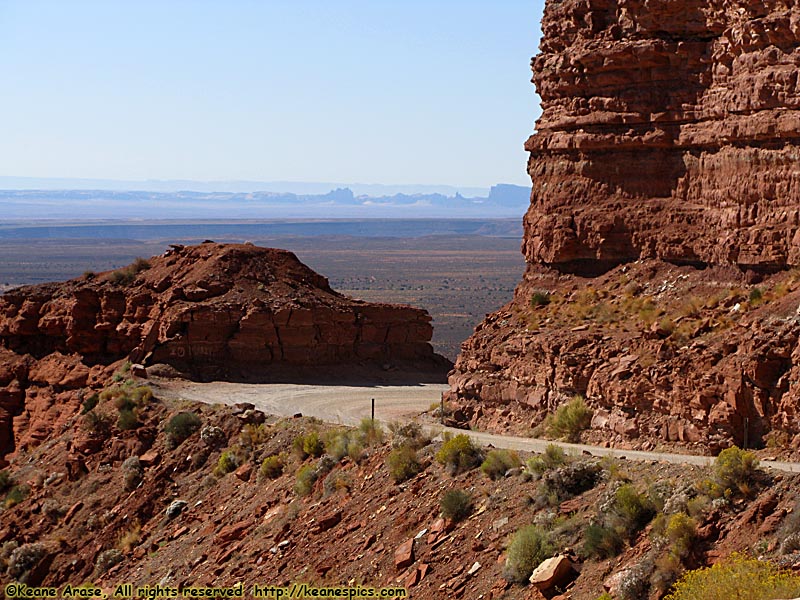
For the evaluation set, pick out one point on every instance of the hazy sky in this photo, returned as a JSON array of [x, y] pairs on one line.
[[372, 91]]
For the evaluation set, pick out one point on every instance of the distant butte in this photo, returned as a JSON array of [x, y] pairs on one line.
[[211, 311]]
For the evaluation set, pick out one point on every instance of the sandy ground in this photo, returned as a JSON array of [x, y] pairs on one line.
[[347, 405]]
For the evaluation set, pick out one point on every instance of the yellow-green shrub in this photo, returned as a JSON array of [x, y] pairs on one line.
[[459, 454]]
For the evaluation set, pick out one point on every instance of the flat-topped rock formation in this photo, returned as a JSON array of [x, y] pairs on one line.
[[209, 311]]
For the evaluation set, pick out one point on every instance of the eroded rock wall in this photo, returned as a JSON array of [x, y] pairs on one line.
[[669, 130]]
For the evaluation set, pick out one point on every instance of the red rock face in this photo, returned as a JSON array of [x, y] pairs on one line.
[[669, 130], [669, 139], [213, 310]]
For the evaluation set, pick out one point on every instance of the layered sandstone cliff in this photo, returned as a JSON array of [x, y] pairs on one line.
[[209, 311], [666, 175]]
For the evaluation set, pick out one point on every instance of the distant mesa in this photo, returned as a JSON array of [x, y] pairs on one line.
[[211, 311]]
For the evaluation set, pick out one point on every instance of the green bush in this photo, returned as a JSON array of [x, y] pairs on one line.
[[738, 576], [498, 462], [306, 478], [403, 463], [371, 432], [127, 275], [307, 445], [570, 419], [6, 480], [459, 454], [181, 426], [681, 532], [127, 420], [89, 403], [16, 494], [529, 547], [601, 541], [735, 471], [455, 505], [272, 466], [227, 463], [345, 442], [540, 298], [98, 423], [632, 510], [553, 456]]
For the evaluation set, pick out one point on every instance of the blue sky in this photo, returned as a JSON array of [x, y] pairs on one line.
[[371, 91]]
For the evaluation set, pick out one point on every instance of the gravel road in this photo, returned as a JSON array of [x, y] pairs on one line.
[[347, 405]]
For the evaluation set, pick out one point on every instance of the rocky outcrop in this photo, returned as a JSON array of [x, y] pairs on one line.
[[212, 310], [669, 130], [664, 172]]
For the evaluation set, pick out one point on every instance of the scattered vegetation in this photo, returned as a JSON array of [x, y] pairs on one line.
[[739, 576], [89, 403], [455, 505], [553, 456], [601, 541], [273, 466], [307, 445], [16, 494], [498, 462], [570, 419], [24, 558], [227, 463], [459, 454], [6, 480], [127, 275], [107, 559], [403, 463], [130, 538], [734, 473], [540, 298], [564, 482], [305, 479], [529, 547], [180, 427], [371, 432], [132, 472]]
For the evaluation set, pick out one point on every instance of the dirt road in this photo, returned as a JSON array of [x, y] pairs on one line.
[[347, 405]]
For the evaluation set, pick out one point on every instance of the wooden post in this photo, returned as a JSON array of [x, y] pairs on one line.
[[373, 412]]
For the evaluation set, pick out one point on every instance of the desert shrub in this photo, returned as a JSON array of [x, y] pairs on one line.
[[409, 434], [345, 442], [738, 576], [455, 505], [540, 298], [252, 436], [23, 558], [605, 596], [130, 538], [632, 510], [735, 471], [213, 436], [89, 403], [529, 547], [127, 275], [553, 456], [601, 541], [132, 472], [307, 445], [227, 463], [681, 532], [127, 420], [371, 432], [272, 466], [564, 482], [337, 481], [15, 495], [403, 463], [6, 480], [459, 454], [107, 559], [498, 462], [180, 427], [755, 296], [98, 423], [634, 583], [305, 479], [141, 395], [570, 419]]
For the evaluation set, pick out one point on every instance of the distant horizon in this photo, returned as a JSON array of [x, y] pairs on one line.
[[22, 183], [395, 94]]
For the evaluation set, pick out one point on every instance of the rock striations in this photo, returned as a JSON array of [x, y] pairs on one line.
[[665, 185], [209, 311], [669, 130]]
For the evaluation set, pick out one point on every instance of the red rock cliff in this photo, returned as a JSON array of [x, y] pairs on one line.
[[670, 129], [669, 143], [211, 310]]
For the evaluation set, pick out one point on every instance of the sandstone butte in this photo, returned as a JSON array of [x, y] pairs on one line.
[[207, 311], [663, 230]]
